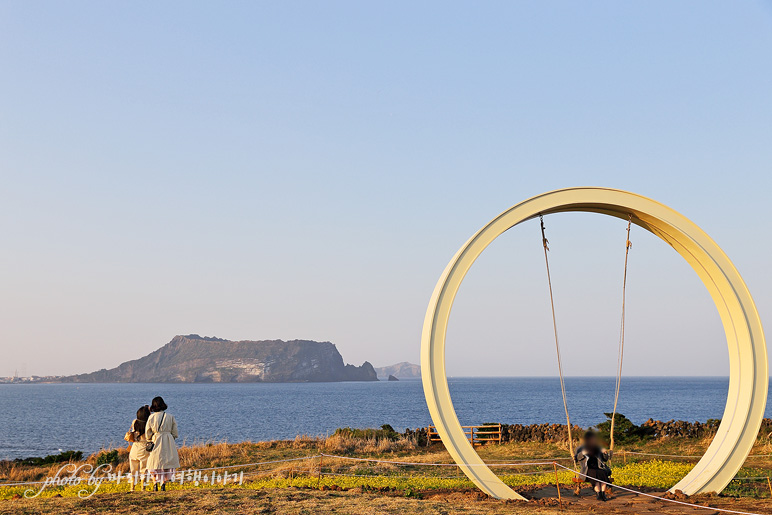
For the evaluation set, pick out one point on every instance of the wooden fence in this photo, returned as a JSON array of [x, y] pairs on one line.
[[477, 435]]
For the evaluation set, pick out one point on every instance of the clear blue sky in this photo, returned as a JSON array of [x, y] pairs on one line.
[[306, 170]]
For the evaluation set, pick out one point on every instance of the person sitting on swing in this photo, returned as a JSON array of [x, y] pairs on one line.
[[594, 461]]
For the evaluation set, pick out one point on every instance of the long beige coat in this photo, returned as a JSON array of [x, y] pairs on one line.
[[164, 454], [138, 451]]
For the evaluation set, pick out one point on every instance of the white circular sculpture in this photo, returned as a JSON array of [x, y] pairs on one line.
[[748, 374]]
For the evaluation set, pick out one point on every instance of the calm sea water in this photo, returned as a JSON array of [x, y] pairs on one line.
[[41, 419]]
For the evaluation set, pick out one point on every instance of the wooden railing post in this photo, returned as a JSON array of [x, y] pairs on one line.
[[557, 484]]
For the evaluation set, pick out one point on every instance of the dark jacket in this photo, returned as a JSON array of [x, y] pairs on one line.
[[596, 459]]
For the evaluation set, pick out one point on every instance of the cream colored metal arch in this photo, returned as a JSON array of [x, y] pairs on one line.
[[748, 376]]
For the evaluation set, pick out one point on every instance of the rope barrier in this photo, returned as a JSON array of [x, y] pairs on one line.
[[545, 458], [3, 485], [686, 455], [413, 464], [338, 474], [390, 476], [244, 465], [663, 455], [664, 499], [257, 464], [695, 456]]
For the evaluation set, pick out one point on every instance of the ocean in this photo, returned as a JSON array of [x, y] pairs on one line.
[[41, 419]]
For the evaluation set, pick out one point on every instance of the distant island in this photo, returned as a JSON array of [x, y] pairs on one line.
[[402, 370], [201, 359]]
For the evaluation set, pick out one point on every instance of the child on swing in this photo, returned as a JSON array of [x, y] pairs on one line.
[[594, 462]]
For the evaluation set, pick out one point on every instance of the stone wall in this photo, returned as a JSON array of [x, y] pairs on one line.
[[554, 433]]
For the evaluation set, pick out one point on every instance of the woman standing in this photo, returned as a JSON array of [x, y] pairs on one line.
[[138, 455], [161, 430], [594, 461]]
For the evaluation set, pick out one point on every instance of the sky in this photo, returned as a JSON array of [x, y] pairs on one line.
[[283, 170]]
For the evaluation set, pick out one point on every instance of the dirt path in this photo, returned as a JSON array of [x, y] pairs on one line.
[[623, 502], [314, 502]]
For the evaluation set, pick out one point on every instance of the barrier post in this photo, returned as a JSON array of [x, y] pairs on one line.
[[319, 477], [557, 484]]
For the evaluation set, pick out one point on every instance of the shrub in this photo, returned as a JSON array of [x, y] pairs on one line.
[[386, 432], [624, 430], [62, 457], [107, 458]]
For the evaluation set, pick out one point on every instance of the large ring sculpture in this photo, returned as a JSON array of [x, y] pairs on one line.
[[748, 375]]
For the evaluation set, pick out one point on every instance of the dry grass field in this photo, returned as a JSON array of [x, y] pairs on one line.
[[315, 502], [364, 487]]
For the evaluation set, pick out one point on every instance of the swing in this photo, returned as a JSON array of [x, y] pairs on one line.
[[620, 357]]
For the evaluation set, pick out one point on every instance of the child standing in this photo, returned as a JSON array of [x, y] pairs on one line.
[[138, 455]]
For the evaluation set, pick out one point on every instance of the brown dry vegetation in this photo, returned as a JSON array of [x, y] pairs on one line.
[[217, 454], [754, 498], [291, 502], [347, 444], [314, 502]]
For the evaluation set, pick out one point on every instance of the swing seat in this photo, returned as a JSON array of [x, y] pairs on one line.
[[580, 480]]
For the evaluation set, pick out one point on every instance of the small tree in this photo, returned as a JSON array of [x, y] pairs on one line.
[[624, 430]]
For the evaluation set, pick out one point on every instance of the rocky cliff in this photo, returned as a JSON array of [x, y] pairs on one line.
[[197, 359]]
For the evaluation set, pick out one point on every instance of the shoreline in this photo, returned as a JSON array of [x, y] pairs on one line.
[[57, 380], [651, 430]]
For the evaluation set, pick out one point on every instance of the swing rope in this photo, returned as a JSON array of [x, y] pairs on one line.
[[545, 243], [620, 357]]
